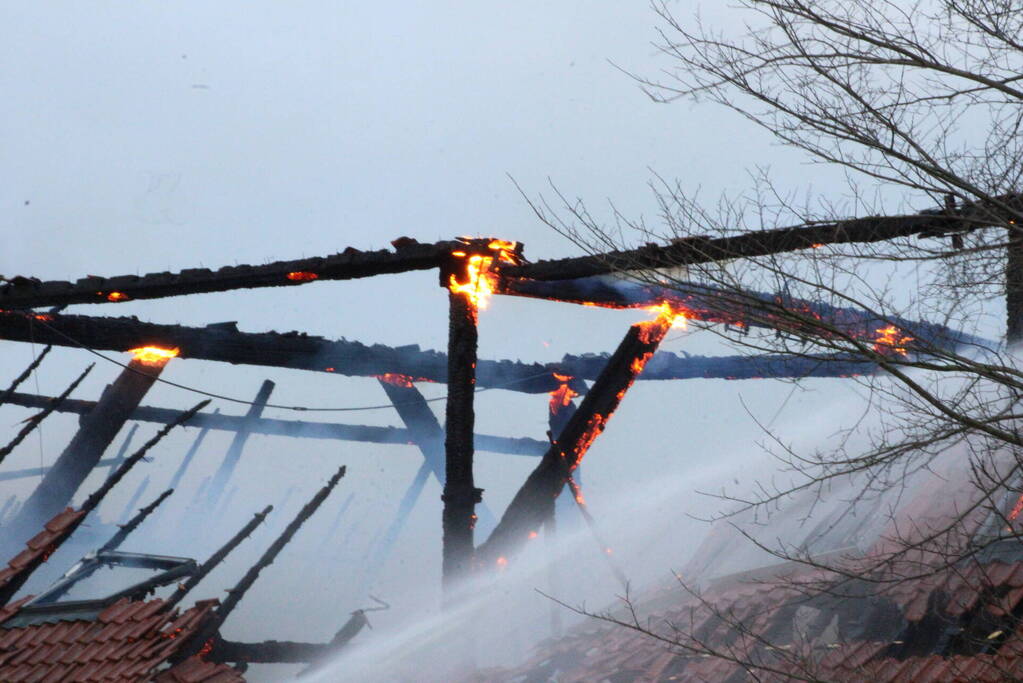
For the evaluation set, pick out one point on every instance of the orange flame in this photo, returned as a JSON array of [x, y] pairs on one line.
[[481, 280], [563, 395], [116, 296], [396, 379], [678, 316], [153, 355], [891, 339], [302, 276]]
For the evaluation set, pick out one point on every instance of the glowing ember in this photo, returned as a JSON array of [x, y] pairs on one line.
[[533, 534], [117, 296], [891, 339], [302, 276], [563, 395], [1018, 508], [502, 562], [481, 280], [153, 355], [479, 284], [396, 379]]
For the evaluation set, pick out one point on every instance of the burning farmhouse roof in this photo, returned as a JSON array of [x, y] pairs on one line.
[[917, 618]]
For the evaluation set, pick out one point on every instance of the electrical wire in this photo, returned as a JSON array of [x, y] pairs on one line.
[[350, 409]]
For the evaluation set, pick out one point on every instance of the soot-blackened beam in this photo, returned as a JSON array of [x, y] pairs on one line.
[[24, 375], [534, 502], [695, 250], [742, 307], [95, 433], [235, 595], [460, 493], [117, 539], [294, 428], [288, 350], [234, 452], [34, 421], [216, 558], [408, 255]]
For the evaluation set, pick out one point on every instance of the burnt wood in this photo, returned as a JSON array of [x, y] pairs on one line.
[[534, 502], [460, 493], [295, 428], [23, 292], [703, 249]]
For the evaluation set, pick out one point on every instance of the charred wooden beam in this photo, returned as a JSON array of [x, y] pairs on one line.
[[94, 500], [460, 493], [408, 255], [294, 350], [666, 365], [739, 307], [695, 250], [117, 539], [25, 374], [65, 522], [234, 452], [216, 558], [94, 436], [286, 651], [534, 502], [294, 428], [422, 426], [210, 628], [34, 421]]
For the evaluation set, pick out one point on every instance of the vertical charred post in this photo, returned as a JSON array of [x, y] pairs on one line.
[[1014, 286], [96, 431], [460, 493]]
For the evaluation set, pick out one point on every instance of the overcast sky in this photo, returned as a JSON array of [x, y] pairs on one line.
[[143, 137]]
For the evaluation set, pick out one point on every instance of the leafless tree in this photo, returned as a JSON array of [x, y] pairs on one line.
[[919, 104]]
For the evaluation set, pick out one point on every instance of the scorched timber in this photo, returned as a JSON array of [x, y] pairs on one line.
[[695, 250], [740, 307], [533, 504], [300, 351], [288, 350], [293, 428], [409, 255]]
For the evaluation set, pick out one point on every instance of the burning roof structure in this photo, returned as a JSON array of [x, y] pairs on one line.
[[133, 636], [731, 617]]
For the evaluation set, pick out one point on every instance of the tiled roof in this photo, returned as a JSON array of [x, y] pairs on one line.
[[128, 641], [756, 622], [41, 545]]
